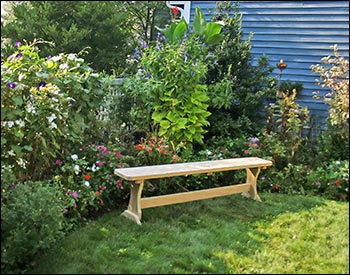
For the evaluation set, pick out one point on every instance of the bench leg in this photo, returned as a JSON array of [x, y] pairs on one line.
[[252, 176], [134, 208]]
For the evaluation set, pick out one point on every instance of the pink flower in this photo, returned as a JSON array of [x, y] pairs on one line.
[[117, 154], [120, 183], [99, 163], [58, 162], [102, 187], [75, 194]]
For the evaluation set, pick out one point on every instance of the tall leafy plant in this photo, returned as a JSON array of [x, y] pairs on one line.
[[171, 77]]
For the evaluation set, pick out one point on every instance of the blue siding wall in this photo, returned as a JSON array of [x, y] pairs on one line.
[[300, 33]]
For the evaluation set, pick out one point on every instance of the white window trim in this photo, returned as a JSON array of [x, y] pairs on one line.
[[185, 12]]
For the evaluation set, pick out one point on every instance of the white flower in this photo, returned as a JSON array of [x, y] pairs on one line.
[[208, 152], [9, 123], [337, 162], [93, 168], [87, 183], [51, 118], [57, 57], [11, 153], [76, 169], [21, 162], [74, 157], [63, 66], [53, 125], [30, 108], [20, 123]]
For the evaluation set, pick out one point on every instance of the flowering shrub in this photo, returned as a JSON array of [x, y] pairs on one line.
[[46, 107], [330, 180], [153, 150], [253, 148], [88, 181]]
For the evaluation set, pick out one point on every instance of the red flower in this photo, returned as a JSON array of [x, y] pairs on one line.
[[337, 183], [139, 147], [87, 176], [175, 11], [246, 152], [97, 193]]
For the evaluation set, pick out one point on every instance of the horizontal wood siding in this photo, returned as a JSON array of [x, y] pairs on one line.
[[300, 33]]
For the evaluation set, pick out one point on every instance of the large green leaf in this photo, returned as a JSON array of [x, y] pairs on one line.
[[180, 30], [214, 39], [199, 22]]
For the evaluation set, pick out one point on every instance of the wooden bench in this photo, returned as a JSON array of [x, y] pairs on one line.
[[138, 175]]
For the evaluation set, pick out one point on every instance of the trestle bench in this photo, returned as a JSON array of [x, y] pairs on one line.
[[138, 175]]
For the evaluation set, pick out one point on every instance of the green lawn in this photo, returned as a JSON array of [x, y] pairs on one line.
[[282, 234]]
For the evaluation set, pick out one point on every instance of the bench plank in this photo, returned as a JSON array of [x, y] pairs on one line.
[[189, 168]]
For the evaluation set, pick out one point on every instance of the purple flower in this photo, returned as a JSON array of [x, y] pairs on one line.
[[41, 84], [17, 44], [254, 140], [58, 162], [105, 133], [11, 85], [74, 194], [317, 183], [19, 55]]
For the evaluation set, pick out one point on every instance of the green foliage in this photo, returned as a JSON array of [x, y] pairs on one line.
[[289, 86], [208, 33], [32, 220], [169, 89], [72, 26], [237, 89], [144, 17], [287, 120], [48, 106]]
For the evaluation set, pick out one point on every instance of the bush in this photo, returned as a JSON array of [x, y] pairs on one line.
[[334, 74], [32, 219]]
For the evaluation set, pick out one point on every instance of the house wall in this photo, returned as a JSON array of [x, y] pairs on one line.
[[300, 33]]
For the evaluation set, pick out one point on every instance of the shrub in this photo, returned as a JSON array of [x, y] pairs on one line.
[[32, 219], [334, 74]]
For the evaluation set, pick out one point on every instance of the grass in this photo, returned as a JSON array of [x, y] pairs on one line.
[[232, 234]]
